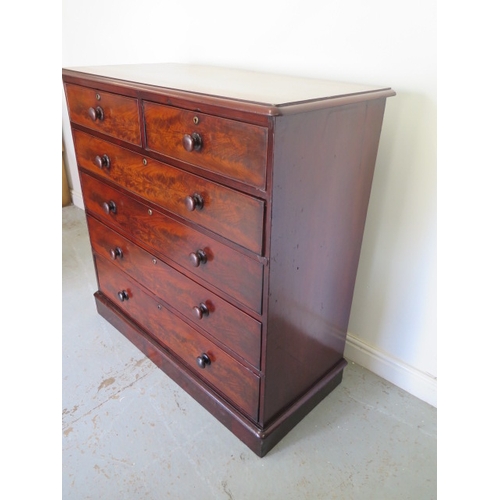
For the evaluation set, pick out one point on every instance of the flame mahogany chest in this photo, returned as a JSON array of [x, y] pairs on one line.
[[226, 211]]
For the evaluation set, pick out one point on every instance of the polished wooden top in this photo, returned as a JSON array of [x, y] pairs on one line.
[[243, 85]]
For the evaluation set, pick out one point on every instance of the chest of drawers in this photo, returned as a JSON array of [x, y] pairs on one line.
[[226, 212]]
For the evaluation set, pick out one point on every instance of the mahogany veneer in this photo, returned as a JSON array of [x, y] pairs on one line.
[[226, 211]]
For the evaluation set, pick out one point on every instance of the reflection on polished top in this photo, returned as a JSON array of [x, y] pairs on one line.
[[251, 86]]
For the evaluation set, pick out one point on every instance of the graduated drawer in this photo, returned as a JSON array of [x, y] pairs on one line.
[[234, 149], [235, 329], [111, 114], [230, 378], [233, 215], [225, 268]]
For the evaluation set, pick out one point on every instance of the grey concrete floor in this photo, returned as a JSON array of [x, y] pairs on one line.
[[129, 432]]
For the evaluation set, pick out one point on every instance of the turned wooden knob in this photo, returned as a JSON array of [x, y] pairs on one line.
[[203, 360], [194, 202], [116, 253], [198, 257], [200, 311], [96, 113], [102, 161], [123, 295], [109, 207], [192, 142]]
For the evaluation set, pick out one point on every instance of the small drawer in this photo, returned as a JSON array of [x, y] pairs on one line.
[[235, 329], [228, 377], [233, 215], [234, 149], [225, 268], [111, 114]]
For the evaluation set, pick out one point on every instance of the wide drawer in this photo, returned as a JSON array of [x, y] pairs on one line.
[[225, 268], [230, 378], [233, 215], [111, 114], [228, 147], [237, 330]]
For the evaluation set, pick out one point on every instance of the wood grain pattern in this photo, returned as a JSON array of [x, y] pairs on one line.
[[121, 114], [236, 216], [227, 376], [226, 323], [226, 269], [269, 245], [235, 149]]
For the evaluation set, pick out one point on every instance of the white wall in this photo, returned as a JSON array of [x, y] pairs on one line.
[[393, 322]]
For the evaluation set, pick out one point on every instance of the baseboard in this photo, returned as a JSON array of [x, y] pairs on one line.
[[77, 199], [404, 376]]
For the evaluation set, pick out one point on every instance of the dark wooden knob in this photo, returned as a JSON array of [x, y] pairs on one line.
[[102, 161], [200, 311], [109, 207], [116, 253], [192, 142], [123, 295], [198, 257], [203, 360], [194, 202], [96, 113]]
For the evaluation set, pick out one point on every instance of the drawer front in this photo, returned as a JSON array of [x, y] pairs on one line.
[[233, 215], [228, 147], [238, 331], [224, 373], [225, 268], [119, 118]]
